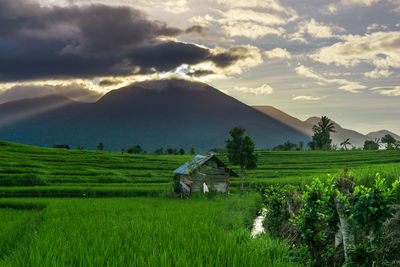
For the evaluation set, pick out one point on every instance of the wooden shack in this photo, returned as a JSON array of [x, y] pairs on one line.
[[204, 170], [61, 146]]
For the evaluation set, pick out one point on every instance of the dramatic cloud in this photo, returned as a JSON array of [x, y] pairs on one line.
[[308, 98], [96, 40], [264, 89], [345, 85], [278, 53], [74, 92], [381, 49], [241, 19], [387, 90]]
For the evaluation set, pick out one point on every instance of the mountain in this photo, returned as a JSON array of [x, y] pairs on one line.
[[164, 113], [382, 133], [286, 119], [357, 139]]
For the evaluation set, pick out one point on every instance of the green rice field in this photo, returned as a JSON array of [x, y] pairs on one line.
[[88, 208], [136, 232], [40, 172]]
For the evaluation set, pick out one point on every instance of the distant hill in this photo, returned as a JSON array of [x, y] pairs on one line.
[[382, 133], [357, 139], [165, 113]]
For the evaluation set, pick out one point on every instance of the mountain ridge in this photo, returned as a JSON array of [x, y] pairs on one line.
[[173, 113], [357, 139]]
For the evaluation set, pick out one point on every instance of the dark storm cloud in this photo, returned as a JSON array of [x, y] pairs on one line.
[[82, 42], [196, 29], [74, 92], [229, 57]]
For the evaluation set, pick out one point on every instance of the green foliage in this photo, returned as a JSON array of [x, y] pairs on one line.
[[321, 138], [100, 147], [389, 141], [366, 209], [287, 146], [241, 151], [371, 145], [135, 150], [276, 210], [317, 215]]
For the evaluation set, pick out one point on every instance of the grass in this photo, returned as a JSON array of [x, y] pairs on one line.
[[38, 172], [67, 226], [146, 232]]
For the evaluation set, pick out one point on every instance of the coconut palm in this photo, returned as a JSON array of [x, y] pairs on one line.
[[321, 137], [345, 143], [325, 126]]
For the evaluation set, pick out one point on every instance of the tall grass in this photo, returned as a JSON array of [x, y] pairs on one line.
[[149, 232]]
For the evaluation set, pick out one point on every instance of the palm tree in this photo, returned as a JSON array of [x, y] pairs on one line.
[[322, 130], [325, 126], [345, 143]]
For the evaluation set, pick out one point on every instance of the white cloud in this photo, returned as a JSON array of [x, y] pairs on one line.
[[387, 90], [316, 30], [251, 30], [308, 98], [250, 15], [344, 84], [278, 53], [334, 8], [252, 19], [381, 49], [264, 89], [375, 27], [272, 5], [358, 2], [378, 73]]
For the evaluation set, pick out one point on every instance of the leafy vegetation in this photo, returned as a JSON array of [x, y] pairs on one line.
[[336, 220], [241, 151]]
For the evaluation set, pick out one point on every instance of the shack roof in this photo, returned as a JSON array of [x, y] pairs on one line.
[[199, 161]]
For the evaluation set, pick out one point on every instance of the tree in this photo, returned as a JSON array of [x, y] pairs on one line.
[[287, 146], [159, 151], [172, 151], [100, 147], [79, 147], [241, 151], [371, 145], [300, 146], [181, 151], [192, 151], [321, 138], [345, 143], [389, 141], [135, 150]]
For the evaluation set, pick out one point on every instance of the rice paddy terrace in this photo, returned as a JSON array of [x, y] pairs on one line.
[[33, 171]]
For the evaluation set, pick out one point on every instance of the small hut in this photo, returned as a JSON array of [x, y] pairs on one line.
[[203, 172], [61, 146]]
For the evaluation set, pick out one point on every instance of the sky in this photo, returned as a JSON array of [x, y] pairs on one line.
[[307, 58]]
